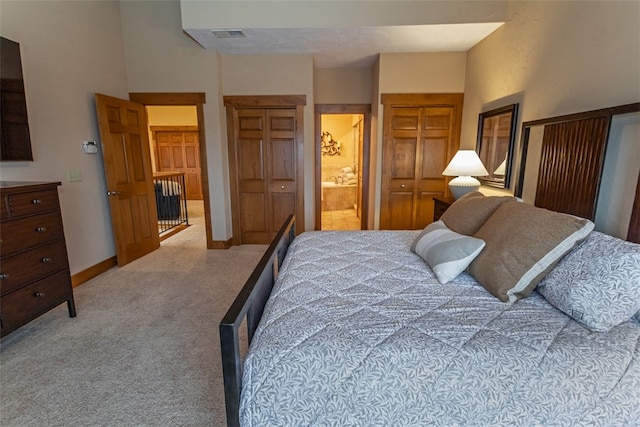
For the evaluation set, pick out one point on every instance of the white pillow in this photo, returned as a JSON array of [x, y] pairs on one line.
[[448, 253], [598, 283]]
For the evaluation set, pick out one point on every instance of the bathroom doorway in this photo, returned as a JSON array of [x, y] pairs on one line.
[[342, 142]]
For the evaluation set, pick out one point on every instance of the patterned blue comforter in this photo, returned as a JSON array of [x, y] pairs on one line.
[[358, 332]]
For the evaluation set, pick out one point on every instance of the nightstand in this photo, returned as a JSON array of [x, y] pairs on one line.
[[440, 205]]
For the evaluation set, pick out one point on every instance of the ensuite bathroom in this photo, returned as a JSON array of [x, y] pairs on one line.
[[341, 145]]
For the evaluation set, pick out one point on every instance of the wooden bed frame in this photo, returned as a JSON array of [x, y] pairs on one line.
[[251, 300], [248, 306]]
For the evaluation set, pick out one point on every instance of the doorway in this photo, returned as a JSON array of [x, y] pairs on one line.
[[342, 166], [193, 102]]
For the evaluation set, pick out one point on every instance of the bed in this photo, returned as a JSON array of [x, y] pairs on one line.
[[380, 328]]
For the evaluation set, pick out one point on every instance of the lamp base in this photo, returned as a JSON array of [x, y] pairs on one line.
[[462, 185]]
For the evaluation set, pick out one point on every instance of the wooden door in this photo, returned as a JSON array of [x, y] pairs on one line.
[[129, 176], [419, 140], [179, 151], [281, 166], [266, 171], [192, 171]]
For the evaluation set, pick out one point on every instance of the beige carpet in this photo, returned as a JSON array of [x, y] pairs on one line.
[[144, 349]]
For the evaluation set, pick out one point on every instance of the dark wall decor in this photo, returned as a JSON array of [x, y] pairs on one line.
[[15, 141], [328, 145], [495, 144]]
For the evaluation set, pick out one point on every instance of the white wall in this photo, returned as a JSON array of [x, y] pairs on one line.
[[70, 51], [437, 72], [555, 58], [342, 86]]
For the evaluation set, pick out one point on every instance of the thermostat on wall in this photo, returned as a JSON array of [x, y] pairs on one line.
[[90, 147]]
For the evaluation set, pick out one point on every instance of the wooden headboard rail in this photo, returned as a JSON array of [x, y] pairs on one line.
[[572, 161]]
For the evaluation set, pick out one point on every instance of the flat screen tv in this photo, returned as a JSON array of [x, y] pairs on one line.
[[15, 141]]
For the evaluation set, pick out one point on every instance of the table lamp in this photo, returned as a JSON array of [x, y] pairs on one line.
[[464, 166]]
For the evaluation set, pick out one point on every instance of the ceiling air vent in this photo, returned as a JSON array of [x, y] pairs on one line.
[[228, 34]]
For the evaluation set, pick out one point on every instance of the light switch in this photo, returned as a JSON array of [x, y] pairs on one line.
[[74, 175]]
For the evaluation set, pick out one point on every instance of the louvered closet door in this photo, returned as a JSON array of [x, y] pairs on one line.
[[266, 170], [418, 142]]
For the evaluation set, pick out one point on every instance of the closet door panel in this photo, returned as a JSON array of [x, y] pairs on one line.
[[281, 158], [424, 208], [282, 205], [253, 220], [401, 210], [251, 175]]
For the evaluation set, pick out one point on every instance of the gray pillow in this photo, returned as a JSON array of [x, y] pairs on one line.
[[598, 283], [467, 214], [447, 252], [523, 244]]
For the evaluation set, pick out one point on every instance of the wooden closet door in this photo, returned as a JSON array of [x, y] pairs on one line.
[[179, 151], [265, 136], [193, 170], [281, 166], [251, 169], [266, 169], [419, 140], [400, 163], [436, 143]]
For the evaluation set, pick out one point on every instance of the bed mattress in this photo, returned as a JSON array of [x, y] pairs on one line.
[[359, 332]]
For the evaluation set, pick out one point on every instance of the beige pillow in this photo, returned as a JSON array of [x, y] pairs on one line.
[[467, 214], [523, 243]]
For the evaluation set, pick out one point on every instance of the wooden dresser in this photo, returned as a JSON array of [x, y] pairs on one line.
[[34, 268]]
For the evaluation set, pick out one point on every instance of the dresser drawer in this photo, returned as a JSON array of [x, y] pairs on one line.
[[24, 304], [23, 268], [32, 203], [28, 232]]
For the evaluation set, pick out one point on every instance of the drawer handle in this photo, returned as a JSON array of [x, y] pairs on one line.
[[402, 186], [4, 276], [39, 295], [36, 201], [282, 187], [46, 260], [41, 229]]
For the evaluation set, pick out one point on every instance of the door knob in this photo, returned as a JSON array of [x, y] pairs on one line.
[[114, 193]]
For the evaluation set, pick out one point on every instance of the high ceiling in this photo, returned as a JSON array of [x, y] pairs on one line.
[[341, 34], [347, 47]]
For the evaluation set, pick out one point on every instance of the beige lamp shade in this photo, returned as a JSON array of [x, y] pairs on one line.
[[465, 165], [502, 169]]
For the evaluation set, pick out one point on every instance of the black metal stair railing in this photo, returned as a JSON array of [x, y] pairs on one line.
[[171, 201]]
